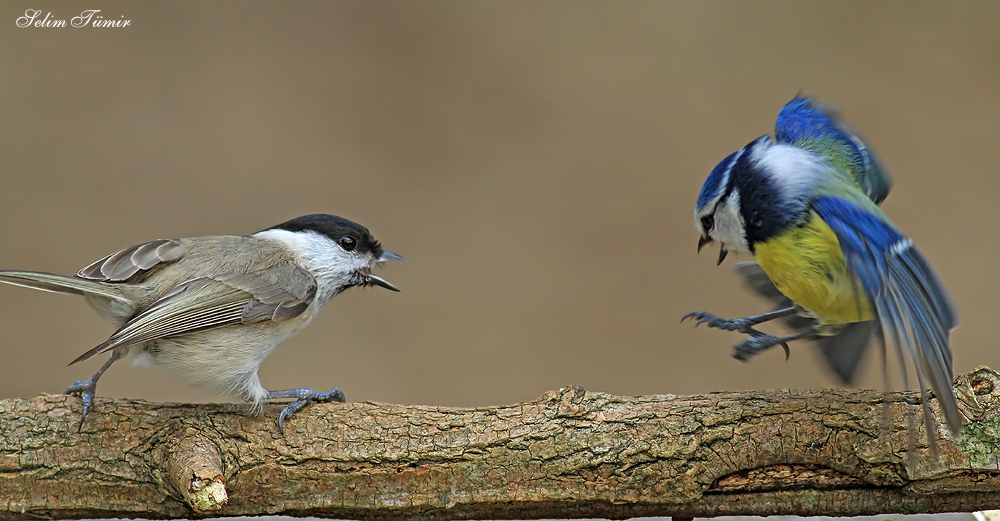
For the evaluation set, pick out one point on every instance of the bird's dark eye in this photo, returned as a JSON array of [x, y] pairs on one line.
[[348, 243], [707, 222]]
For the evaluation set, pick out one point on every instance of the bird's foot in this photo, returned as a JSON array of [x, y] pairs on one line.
[[86, 391], [303, 396], [743, 325], [758, 343]]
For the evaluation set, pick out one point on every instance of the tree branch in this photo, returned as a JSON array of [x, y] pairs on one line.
[[569, 454]]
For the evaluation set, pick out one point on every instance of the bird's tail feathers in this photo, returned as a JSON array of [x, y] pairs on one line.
[[59, 283]]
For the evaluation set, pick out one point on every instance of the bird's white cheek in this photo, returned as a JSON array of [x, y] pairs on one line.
[[730, 230], [734, 241], [335, 271]]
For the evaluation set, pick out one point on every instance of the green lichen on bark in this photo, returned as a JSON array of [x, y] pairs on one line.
[[981, 443]]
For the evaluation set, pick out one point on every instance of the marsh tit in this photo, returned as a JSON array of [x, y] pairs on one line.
[[212, 308], [805, 205]]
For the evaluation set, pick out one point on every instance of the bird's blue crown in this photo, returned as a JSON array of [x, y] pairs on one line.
[[714, 184]]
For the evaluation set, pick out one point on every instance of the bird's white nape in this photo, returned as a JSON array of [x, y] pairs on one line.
[[794, 170]]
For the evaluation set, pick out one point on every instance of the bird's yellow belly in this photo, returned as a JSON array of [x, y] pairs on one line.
[[807, 265]]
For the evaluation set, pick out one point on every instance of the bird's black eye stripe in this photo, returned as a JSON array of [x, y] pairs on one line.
[[707, 222], [348, 243]]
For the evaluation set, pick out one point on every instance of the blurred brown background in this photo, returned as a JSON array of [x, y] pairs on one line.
[[537, 163]]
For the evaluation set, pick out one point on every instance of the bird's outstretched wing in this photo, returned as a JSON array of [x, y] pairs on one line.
[[806, 124], [908, 300], [842, 351], [278, 293]]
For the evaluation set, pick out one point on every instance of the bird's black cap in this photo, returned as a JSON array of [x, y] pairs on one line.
[[336, 228]]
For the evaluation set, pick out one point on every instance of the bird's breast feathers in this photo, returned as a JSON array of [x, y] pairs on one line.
[[807, 265]]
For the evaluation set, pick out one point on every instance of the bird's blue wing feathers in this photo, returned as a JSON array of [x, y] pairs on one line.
[[907, 298], [805, 124], [802, 120]]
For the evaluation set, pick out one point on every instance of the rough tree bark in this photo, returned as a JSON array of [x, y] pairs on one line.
[[569, 454]]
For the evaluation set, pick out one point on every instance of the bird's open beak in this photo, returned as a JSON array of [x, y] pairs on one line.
[[705, 239], [375, 280], [388, 256]]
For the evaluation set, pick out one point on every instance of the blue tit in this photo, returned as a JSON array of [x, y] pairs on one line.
[[815, 127], [804, 204]]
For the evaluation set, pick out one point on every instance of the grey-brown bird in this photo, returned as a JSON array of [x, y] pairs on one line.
[[212, 308]]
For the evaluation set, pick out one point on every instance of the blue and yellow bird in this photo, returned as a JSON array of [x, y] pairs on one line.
[[805, 205]]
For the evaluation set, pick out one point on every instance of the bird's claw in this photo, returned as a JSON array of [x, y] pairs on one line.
[[86, 391], [743, 325], [756, 344], [758, 341], [305, 397]]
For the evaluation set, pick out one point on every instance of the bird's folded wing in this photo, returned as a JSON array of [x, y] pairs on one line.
[[277, 294], [909, 301], [123, 265]]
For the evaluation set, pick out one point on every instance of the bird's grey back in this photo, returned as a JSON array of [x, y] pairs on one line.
[[130, 280]]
